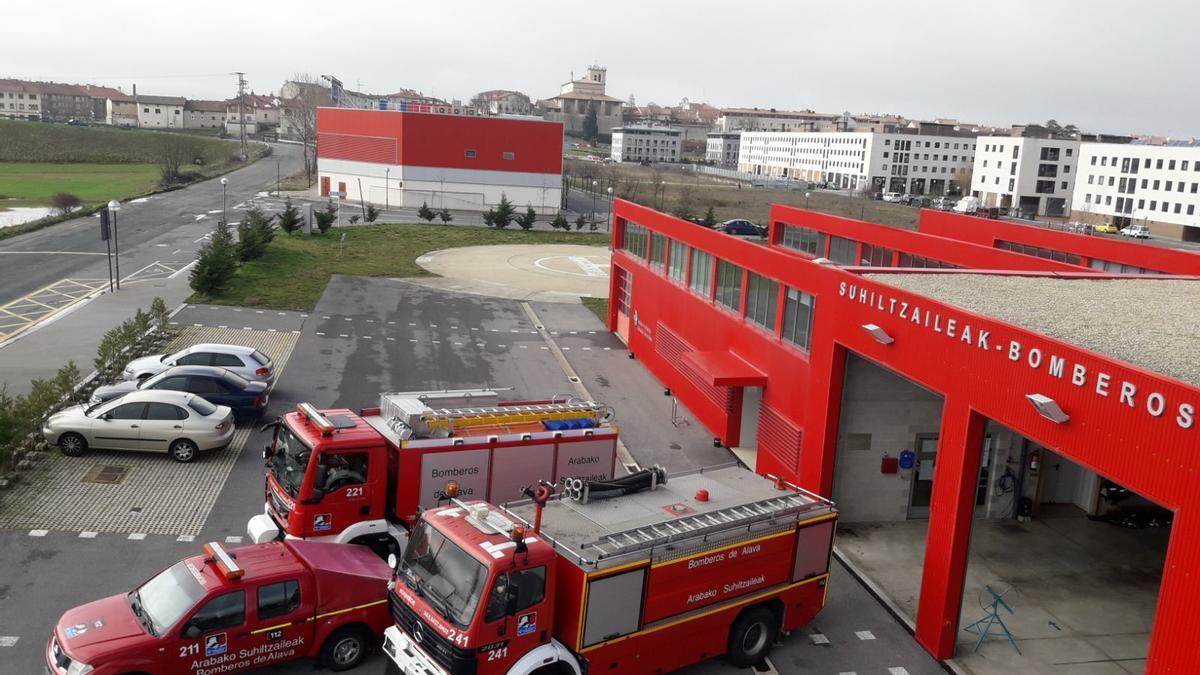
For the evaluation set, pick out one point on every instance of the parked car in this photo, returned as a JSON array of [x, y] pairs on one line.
[[1136, 231], [739, 226], [178, 423], [944, 203], [245, 361], [1106, 228], [893, 197], [967, 205], [919, 202], [217, 385]]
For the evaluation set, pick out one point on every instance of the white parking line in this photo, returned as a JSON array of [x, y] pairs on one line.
[[897, 670], [187, 538], [321, 334], [137, 536], [87, 535], [233, 539], [38, 533], [8, 640], [819, 639], [368, 337], [864, 635]]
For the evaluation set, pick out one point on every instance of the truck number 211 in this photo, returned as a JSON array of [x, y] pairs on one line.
[[192, 649], [497, 654]]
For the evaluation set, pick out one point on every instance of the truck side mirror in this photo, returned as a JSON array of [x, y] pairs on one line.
[[267, 451], [510, 603], [191, 632], [319, 476]]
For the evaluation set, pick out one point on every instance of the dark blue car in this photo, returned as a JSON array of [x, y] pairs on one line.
[[217, 385]]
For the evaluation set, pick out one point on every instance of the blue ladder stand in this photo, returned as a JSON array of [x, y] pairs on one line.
[[992, 623]]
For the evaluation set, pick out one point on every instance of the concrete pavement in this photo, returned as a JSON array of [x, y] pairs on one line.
[[550, 272]]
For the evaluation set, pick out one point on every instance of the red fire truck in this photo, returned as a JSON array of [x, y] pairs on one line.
[[629, 575], [227, 611], [361, 478]]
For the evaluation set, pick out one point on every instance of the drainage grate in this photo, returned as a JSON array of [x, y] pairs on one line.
[[106, 475]]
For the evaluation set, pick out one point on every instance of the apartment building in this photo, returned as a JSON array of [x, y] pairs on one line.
[[160, 112], [1029, 177], [647, 143], [200, 114], [897, 162], [1158, 186], [20, 100], [722, 148], [502, 102]]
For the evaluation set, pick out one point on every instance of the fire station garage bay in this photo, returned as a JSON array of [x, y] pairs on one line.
[[1006, 415]]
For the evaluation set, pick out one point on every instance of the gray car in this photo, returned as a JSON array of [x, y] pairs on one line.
[[245, 361], [175, 422]]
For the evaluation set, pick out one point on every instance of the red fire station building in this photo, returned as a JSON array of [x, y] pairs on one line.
[[397, 158], [930, 374]]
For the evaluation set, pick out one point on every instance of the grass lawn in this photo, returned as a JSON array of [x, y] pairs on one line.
[[295, 269], [44, 142], [35, 183], [599, 307]]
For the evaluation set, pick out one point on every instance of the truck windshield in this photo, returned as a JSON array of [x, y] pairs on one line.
[[164, 599], [290, 460], [445, 575]]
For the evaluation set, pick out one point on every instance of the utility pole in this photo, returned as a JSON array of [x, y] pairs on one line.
[[241, 112]]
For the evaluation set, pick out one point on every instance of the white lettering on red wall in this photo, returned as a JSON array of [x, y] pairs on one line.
[[1100, 383]]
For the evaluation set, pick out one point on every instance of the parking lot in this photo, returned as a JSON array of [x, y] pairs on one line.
[[367, 336]]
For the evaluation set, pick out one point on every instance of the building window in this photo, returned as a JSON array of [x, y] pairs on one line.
[[729, 285], [469, 154], [634, 239], [1037, 251], [700, 280], [658, 249], [875, 256], [803, 239], [844, 251], [510, 155], [677, 263], [760, 301], [797, 317]]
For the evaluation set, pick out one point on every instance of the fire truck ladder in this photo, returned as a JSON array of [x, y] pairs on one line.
[[452, 418], [688, 527]]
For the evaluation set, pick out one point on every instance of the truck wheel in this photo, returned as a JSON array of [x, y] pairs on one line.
[[72, 445], [751, 637], [382, 545], [184, 450], [345, 649]]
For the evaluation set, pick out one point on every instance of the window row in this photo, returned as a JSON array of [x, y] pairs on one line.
[[1039, 252]]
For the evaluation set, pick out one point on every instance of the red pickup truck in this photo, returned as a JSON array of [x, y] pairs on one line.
[[229, 611]]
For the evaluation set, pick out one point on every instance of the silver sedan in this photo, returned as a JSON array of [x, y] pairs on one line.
[[175, 422]]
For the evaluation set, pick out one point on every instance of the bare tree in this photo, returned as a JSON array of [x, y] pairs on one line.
[[174, 155], [307, 94]]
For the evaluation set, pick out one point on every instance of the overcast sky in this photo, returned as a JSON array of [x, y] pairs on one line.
[[1103, 65]]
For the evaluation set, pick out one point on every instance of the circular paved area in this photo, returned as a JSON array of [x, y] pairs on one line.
[[543, 272]]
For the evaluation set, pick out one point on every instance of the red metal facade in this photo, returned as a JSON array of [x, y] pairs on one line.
[[987, 232], [983, 368], [444, 141]]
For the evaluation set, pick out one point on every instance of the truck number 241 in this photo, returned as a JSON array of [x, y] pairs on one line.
[[497, 654]]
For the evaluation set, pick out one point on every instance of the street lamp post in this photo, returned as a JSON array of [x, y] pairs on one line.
[[277, 179], [113, 207], [806, 196], [595, 185], [387, 171], [224, 218], [608, 222]]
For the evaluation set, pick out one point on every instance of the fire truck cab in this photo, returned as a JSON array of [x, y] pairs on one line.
[[632, 575], [335, 475], [232, 610]]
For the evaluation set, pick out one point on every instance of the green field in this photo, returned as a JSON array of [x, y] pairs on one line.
[[42, 142], [295, 269], [34, 183]]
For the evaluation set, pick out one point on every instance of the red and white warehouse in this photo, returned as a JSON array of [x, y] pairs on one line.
[[457, 162], [987, 402]]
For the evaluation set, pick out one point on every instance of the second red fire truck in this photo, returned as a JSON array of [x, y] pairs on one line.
[[361, 478], [630, 575]]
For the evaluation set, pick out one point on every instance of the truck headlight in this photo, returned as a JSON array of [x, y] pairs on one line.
[[78, 668]]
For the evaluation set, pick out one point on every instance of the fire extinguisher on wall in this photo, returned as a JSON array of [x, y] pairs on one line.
[[1035, 461]]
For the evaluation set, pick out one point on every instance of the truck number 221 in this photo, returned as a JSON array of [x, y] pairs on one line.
[[497, 654], [355, 491]]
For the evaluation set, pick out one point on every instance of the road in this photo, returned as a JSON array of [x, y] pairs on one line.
[[73, 249]]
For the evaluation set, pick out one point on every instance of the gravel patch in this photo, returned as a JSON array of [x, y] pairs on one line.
[[1151, 323]]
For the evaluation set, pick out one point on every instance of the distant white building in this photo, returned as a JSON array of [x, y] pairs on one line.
[[647, 143], [160, 112], [1158, 186], [1030, 176], [722, 148], [912, 163], [502, 102], [576, 98]]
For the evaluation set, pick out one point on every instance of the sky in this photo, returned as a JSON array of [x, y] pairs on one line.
[[1103, 65]]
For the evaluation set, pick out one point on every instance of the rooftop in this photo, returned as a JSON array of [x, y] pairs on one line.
[[1150, 323]]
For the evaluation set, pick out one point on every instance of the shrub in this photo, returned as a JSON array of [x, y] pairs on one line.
[[503, 213], [580, 222], [444, 214], [425, 213], [216, 263], [560, 222], [527, 219], [64, 203], [325, 217], [289, 218], [372, 213]]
